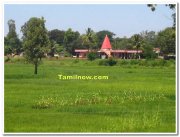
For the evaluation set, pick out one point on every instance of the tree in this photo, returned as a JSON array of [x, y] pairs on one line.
[[69, 39], [148, 44], [152, 6], [78, 43], [11, 40], [57, 36], [137, 41], [89, 40], [35, 40], [12, 28], [52, 48], [166, 39], [149, 37], [148, 51], [122, 43], [7, 50]]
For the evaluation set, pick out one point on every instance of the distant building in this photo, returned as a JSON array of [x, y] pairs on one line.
[[156, 50], [106, 51], [81, 53]]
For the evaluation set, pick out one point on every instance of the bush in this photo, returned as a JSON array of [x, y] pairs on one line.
[[171, 63], [153, 63], [91, 56], [76, 61], [7, 59], [147, 63], [143, 63], [134, 62], [103, 63], [7, 50], [149, 53], [108, 62], [162, 62], [66, 54], [123, 62], [112, 62], [17, 59]]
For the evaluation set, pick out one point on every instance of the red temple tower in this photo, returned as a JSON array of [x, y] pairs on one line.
[[106, 43], [106, 46]]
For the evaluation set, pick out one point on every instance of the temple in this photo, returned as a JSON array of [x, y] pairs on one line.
[[106, 51]]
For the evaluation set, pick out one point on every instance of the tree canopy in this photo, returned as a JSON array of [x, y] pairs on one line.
[[11, 41], [166, 40], [70, 37], [57, 36], [35, 40], [90, 39]]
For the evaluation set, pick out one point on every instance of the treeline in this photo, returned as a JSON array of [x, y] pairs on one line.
[[65, 42]]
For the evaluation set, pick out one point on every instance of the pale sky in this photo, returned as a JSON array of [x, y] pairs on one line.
[[122, 19]]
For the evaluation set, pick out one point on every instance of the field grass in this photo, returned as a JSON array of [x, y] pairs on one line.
[[133, 99]]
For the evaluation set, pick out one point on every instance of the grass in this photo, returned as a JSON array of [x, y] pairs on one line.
[[133, 99]]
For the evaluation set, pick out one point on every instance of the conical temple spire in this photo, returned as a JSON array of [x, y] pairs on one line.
[[106, 43]]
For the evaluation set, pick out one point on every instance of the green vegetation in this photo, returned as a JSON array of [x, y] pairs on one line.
[[167, 41], [12, 43], [139, 96], [35, 40], [91, 56], [38, 42], [108, 62], [65, 42]]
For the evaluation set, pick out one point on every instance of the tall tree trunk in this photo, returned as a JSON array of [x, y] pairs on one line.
[[35, 68]]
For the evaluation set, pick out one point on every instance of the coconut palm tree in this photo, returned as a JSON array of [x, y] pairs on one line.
[[137, 41], [89, 39]]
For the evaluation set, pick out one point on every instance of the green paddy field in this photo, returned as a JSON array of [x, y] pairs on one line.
[[135, 98]]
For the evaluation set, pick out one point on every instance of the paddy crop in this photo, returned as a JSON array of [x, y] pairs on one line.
[[133, 99]]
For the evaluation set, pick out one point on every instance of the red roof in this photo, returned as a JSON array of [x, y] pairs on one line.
[[106, 43], [126, 51], [118, 51], [81, 50]]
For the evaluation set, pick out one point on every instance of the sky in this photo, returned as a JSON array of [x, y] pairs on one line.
[[122, 19]]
